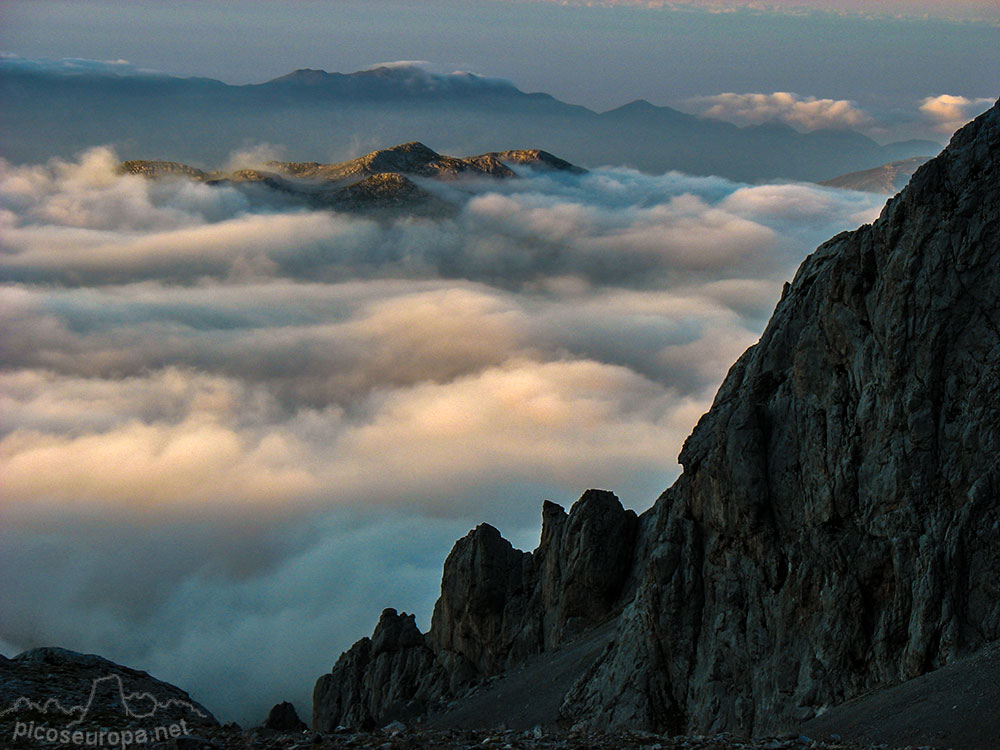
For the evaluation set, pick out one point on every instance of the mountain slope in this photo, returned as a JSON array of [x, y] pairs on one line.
[[314, 114], [836, 528], [954, 706], [889, 178], [379, 181]]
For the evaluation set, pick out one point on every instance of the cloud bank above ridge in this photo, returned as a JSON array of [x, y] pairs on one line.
[[807, 113]]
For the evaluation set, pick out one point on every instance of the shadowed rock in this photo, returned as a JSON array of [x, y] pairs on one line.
[[837, 525], [498, 606], [284, 718]]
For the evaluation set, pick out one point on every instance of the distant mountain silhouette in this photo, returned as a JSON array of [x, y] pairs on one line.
[[333, 116]]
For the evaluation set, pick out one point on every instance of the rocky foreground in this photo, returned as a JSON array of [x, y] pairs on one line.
[[400, 737]]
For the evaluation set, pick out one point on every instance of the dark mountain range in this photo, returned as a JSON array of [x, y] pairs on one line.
[[332, 116], [379, 181], [835, 531]]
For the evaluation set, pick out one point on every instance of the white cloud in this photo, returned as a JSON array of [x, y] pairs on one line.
[[805, 113], [949, 112]]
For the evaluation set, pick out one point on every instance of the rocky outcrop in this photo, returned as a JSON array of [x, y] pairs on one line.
[[536, 159], [284, 718], [383, 191], [155, 169], [836, 528], [379, 182], [412, 158], [837, 525], [498, 606], [392, 675]]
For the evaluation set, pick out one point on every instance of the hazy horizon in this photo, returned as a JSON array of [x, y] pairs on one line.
[[597, 55]]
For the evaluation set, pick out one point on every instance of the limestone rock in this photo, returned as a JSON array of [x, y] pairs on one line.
[[484, 589], [408, 158], [537, 159], [391, 675], [160, 169]]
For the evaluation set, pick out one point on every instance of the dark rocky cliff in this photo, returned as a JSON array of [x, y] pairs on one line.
[[498, 606], [837, 525]]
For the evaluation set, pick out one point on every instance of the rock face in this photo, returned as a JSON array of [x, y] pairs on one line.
[[498, 606], [837, 525], [836, 528], [389, 676]]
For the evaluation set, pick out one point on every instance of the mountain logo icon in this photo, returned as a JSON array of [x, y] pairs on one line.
[[108, 692], [108, 704]]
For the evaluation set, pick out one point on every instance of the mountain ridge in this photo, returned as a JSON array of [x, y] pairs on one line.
[[378, 181], [324, 115]]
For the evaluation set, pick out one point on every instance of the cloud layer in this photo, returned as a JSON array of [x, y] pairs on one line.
[[235, 430], [949, 112], [805, 113], [930, 117], [967, 10]]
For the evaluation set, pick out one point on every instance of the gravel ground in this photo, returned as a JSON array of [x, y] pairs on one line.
[[402, 738]]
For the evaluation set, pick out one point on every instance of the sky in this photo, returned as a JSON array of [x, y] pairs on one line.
[[598, 54], [234, 430]]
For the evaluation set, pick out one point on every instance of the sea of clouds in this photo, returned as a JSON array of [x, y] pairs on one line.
[[234, 430]]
